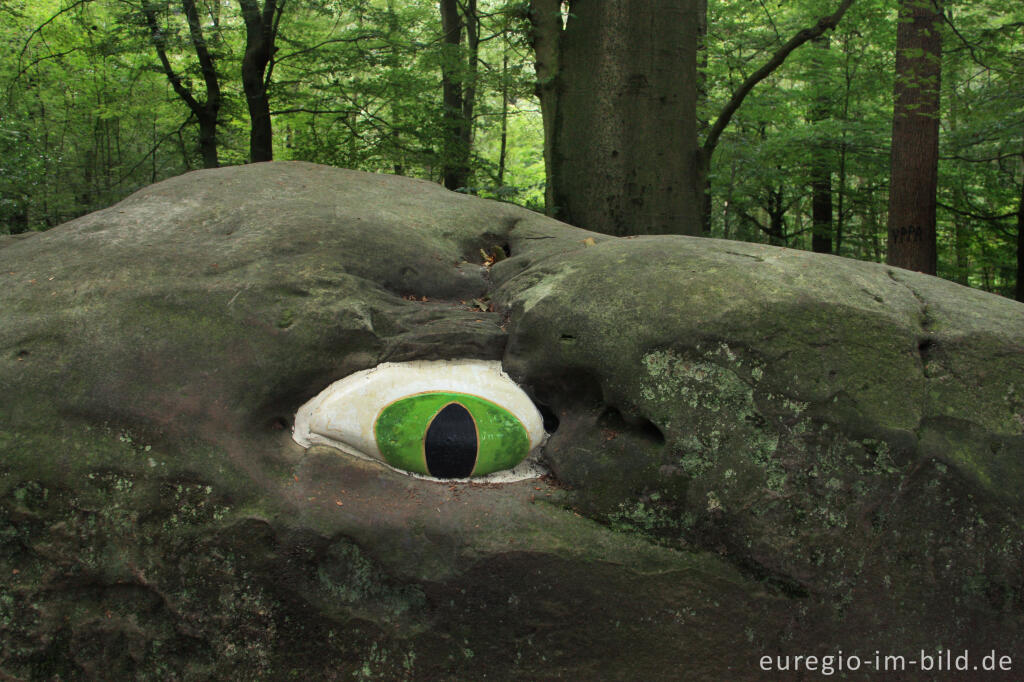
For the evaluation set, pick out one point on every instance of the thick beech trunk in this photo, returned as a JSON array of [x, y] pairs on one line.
[[915, 138], [622, 158], [458, 85]]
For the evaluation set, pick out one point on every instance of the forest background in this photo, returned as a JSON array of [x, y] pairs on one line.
[[102, 97]]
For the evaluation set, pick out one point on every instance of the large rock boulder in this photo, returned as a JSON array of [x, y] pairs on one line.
[[754, 452]]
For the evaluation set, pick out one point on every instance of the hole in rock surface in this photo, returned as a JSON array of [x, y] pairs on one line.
[[550, 418], [637, 425]]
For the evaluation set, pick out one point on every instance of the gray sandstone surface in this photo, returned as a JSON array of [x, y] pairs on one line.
[[759, 451]]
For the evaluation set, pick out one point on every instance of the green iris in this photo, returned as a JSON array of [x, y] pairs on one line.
[[450, 435]]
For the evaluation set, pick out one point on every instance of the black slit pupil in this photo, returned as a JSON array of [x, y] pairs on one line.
[[450, 443]]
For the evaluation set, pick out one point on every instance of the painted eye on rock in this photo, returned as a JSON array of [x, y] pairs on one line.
[[444, 419], [450, 435]]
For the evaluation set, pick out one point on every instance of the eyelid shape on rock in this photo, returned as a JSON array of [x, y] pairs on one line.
[[398, 413]]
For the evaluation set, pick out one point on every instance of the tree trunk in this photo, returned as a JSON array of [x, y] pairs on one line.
[[458, 85], [206, 112], [821, 168], [211, 107], [623, 157], [1020, 244], [503, 151], [208, 140], [915, 138], [961, 248], [703, 164], [821, 210], [840, 203], [260, 34]]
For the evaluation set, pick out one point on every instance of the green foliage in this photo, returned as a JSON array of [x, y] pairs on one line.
[[836, 104], [89, 114]]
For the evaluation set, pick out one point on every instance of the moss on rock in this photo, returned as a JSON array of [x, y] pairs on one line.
[[757, 449]]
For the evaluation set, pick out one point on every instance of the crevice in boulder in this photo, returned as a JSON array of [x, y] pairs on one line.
[[925, 348], [784, 584], [551, 420], [925, 320], [745, 255], [615, 421], [926, 342], [712, 535]]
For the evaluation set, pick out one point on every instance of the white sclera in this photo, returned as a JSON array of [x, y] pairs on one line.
[[343, 415]]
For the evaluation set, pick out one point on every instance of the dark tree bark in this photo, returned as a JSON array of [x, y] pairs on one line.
[[821, 168], [821, 210], [208, 117], [915, 138], [206, 111], [503, 153], [618, 88], [707, 150], [257, 68], [458, 85], [703, 176], [1020, 244]]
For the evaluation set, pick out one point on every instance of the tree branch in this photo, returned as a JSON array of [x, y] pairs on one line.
[[272, 13], [152, 151], [195, 29], [977, 216], [160, 43], [24, 69], [988, 159], [824, 24], [330, 41], [40, 27], [305, 110]]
